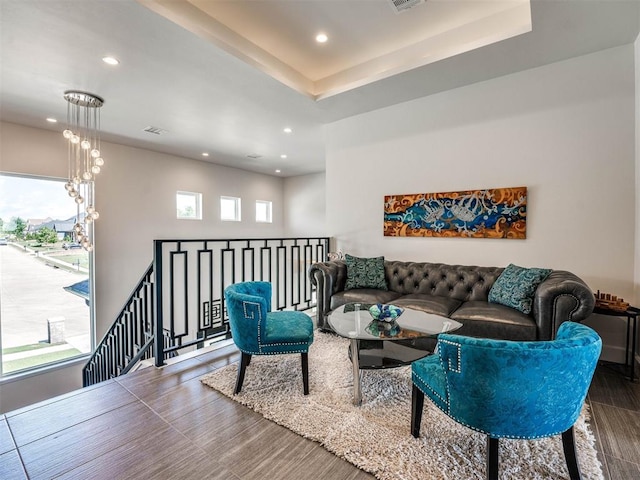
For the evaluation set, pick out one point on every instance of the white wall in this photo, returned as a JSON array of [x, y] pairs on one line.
[[305, 205], [136, 201], [637, 130], [565, 130], [135, 195], [26, 390]]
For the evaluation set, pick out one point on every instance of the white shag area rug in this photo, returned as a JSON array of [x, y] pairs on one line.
[[376, 436]]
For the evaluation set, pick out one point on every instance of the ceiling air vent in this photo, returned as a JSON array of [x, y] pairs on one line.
[[154, 130], [400, 6]]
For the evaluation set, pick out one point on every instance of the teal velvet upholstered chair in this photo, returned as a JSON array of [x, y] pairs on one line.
[[256, 330], [506, 389]]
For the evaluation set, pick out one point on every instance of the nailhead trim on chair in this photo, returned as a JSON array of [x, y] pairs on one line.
[[446, 401], [458, 350], [244, 309], [476, 429], [260, 344], [277, 353], [449, 367]]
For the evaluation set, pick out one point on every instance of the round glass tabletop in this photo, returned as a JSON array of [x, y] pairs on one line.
[[353, 320]]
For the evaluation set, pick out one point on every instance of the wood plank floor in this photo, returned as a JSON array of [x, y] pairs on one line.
[[164, 424]]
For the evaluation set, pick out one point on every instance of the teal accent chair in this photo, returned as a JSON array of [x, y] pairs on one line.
[[506, 389], [256, 330]]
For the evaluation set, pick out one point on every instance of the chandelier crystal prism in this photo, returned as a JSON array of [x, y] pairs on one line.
[[85, 159]]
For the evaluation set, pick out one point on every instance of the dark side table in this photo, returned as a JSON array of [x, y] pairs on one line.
[[631, 314]]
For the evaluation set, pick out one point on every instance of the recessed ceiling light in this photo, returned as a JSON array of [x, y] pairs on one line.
[[321, 38], [277, 171], [111, 60], [52, 120], [283, 156], [287, 130], [205, 154]]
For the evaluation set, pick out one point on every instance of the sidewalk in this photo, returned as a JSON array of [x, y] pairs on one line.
[[31, 292]]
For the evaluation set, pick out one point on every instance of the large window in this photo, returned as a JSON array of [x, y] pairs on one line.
[[230, 209], [45, 314]]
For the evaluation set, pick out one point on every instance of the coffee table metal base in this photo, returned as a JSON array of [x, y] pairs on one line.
[[373, 354], [357, 390]]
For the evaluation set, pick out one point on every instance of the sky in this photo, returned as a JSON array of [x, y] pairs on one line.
[[34, 198]]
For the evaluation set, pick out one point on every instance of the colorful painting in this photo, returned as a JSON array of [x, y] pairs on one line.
[[493, 213]]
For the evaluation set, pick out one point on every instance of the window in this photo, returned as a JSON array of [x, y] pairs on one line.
[[230, 209], [189, 205], [263, 211], [45, 281]]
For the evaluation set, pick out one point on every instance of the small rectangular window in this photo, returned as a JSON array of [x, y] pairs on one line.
[[189, 205], [263, 211], [230, 209]]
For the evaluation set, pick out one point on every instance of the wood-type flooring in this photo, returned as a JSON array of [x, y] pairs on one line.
[[164, 424]]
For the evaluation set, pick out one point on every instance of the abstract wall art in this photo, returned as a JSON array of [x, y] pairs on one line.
[[491, 213]]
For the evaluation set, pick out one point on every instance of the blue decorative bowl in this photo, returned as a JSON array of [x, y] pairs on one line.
[[385, 313], [381, 329]]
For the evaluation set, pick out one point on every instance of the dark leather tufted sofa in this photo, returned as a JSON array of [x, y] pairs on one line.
[[461, 293]]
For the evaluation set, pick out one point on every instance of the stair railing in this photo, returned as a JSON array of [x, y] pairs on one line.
[[182, 295], [191, 276], [130, 337]]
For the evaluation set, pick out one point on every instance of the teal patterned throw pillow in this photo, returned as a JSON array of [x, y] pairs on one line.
[[365, 273], [516, 286]]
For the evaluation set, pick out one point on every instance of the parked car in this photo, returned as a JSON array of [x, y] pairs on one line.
[[71, 245], [3, 241]]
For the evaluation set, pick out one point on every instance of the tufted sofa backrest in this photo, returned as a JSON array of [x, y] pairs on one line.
[[461, 282]]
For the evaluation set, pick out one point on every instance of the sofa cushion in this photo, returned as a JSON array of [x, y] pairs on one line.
[[429, 303], [365, 273], [516, 286], [491, 320], [362, 295]]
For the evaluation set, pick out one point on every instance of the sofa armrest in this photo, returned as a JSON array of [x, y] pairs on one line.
[[328, 278], [561, 297]]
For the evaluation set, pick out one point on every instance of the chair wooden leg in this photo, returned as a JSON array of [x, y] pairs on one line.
[[305, 373], [569, 447], [493, 446], [244, 363], [417, 402]]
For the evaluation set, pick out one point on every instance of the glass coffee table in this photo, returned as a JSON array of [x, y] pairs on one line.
[[377, 344]]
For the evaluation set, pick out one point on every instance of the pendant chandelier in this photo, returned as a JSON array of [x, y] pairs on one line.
[[85, 160]]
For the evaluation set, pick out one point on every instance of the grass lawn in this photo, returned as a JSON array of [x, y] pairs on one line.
[[74, 258], [40, 247], [37, 360], [24, 348]]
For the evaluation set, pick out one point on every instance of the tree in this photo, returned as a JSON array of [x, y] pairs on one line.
[[186, 212], [17, 226], [46, 235], [1, 225]]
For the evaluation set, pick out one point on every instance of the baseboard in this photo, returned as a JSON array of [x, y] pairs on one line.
[[613, 353]]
